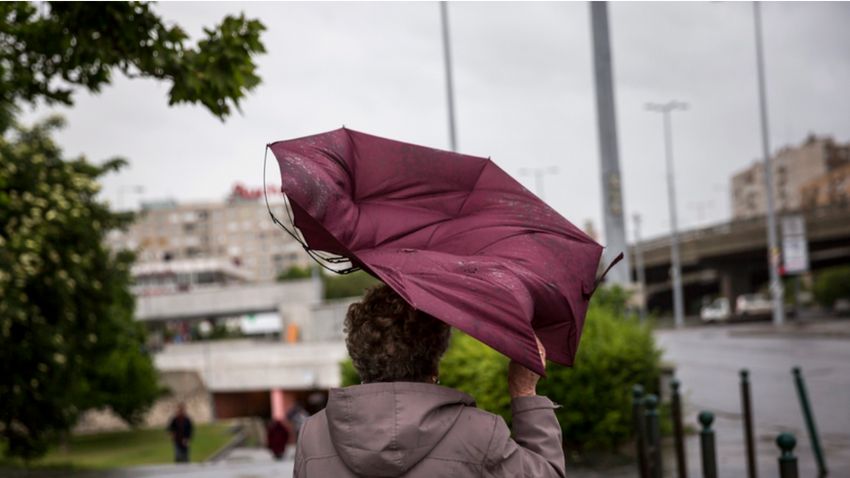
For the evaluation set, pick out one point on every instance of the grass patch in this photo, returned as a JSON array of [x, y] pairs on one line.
[[128, 448]]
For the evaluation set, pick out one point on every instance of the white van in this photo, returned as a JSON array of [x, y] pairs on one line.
[[716, 311]]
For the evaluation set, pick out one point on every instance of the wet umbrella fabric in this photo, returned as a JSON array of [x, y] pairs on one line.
[[454, 235]]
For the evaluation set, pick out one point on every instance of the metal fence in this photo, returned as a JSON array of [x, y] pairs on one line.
[[648, 435]]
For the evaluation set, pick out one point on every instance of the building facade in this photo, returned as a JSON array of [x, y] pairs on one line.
[[793, 168], [238, 230], [831, 189]]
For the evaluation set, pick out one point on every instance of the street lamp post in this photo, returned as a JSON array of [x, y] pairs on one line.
[[772, 242], [678, 300], [641, 274], [447, 58], [538, 178]]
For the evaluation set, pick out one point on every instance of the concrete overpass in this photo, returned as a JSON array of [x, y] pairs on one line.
[[248, 377], [730, 259], [228, 301]]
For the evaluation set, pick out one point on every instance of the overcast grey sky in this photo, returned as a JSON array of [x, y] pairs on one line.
[[524, 95]]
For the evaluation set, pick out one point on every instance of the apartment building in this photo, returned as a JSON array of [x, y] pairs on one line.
[[238, 230], [831, 189], [793, 168]]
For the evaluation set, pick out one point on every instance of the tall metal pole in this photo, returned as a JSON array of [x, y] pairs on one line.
[[450, 89], [612, 193], [772, 242], [641, 274], [676, 264]]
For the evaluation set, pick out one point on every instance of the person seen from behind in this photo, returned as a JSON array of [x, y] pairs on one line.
[[180, 429], [400, 423], [277, 436]]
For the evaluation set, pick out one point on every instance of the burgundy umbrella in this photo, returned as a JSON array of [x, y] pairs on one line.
[[453, 234]]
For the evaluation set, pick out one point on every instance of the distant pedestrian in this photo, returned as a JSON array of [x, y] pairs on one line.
[[297, 415], [180, 429], [277, 436]]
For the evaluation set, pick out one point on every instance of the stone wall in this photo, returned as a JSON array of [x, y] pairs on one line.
[[183, 386]]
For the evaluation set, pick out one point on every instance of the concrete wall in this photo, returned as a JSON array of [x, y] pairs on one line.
[[248, 365], [228, 301], [183, 386]]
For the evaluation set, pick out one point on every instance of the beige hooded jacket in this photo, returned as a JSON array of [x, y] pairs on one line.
[[404, 429]]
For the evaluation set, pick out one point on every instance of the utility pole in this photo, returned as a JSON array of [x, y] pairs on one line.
[[612, 190], [641, 274], [538, 178], [676, 264], [776, 292], [447, 58]]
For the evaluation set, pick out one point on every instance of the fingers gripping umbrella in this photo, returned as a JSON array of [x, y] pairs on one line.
[[454, 235]]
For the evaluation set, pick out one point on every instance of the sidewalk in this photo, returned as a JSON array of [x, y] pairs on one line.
[[239, 463], [827, 328]]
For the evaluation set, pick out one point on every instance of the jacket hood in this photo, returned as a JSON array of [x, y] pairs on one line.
[[384, 429]]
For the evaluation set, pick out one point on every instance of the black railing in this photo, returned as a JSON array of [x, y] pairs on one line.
[[648, 447]]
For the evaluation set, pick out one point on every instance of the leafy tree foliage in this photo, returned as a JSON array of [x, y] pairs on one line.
[[68, 341], [49, 49]]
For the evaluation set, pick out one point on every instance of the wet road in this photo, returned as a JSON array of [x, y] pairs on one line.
[[707, 362]]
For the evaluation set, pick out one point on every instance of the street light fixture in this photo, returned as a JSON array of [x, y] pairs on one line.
[[538, 177], [134, 189], [678, 299]]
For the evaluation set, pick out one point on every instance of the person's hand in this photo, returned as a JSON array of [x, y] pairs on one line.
[[522, 382]]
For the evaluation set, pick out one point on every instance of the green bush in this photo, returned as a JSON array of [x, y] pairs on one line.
[[476, 369], [294, 273], [615, 353], [348, 373], [832, 284], [347, 285]]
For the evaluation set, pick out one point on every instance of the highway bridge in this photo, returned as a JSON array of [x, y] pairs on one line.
[[730, 259]]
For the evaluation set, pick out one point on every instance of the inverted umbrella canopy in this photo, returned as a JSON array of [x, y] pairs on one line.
[[454, 235]]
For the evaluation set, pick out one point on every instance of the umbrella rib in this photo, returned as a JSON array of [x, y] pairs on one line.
[[462, 205], [474, 186], [268, 206], [315, 255]]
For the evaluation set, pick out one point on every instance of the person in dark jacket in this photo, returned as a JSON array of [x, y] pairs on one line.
[[277, 436], [180, 429], [400, 423]]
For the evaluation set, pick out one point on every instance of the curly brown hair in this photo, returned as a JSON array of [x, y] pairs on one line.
[[390, 341]]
